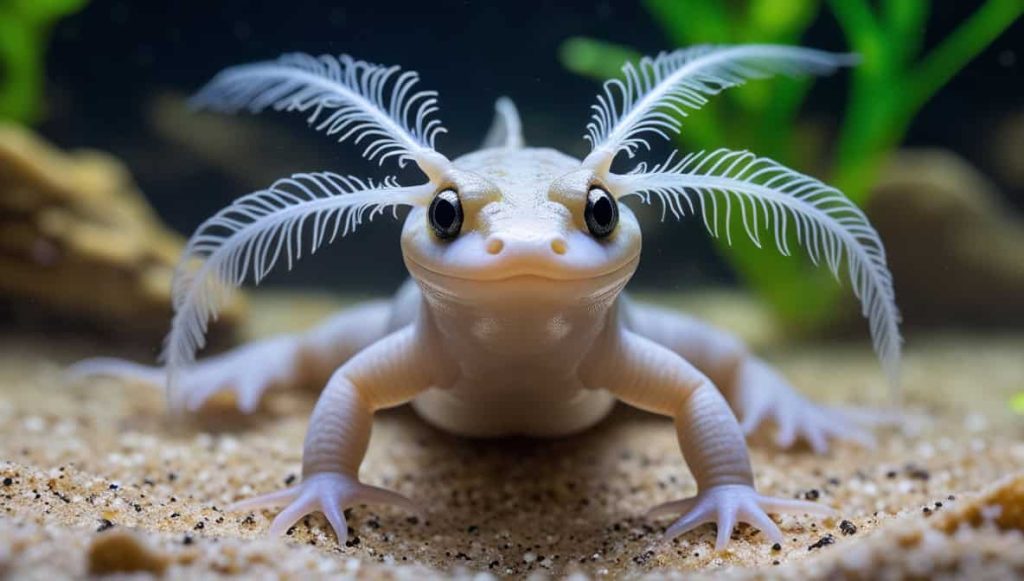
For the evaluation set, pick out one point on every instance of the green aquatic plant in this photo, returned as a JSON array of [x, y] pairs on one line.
[[25, 27], [1017, 403], [894, 79]]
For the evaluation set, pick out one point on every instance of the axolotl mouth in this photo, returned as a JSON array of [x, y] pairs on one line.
[[557, 285], [524, 272]]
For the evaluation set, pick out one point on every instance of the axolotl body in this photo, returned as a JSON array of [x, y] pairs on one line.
[[514, 321]]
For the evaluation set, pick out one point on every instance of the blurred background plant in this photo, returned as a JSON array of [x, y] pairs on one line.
[[25, 27], [895, 78], [1017, 403]]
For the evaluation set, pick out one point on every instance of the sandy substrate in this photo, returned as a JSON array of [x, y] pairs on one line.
[[96, 477]]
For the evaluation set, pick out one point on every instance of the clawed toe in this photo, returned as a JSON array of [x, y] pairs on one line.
[[373, 495], [269, 500], [760, 519], [300, 507], [674, 507], [691, 520]]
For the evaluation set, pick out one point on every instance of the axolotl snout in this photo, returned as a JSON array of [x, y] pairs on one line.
[[515, 320]]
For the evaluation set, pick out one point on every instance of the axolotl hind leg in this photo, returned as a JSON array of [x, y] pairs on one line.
[[250, 370], [756, 392]]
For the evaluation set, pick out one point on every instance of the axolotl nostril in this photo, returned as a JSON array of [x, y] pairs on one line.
[[514, 320]]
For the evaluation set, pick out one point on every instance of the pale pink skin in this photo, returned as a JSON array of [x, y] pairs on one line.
[[520, 326]]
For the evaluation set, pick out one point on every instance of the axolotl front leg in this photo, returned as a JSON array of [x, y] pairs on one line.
[[647, 375], [390, 372]]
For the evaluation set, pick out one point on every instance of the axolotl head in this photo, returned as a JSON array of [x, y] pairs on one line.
[[504, 222]]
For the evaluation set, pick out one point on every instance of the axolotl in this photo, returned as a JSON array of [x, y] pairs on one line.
[[515, 321]]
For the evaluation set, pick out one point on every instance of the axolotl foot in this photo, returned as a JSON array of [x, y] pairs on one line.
[[247, 372], [730, 504], [764, 396], [329, 493]]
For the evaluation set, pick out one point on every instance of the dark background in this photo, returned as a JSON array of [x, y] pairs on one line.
[[111, 65]]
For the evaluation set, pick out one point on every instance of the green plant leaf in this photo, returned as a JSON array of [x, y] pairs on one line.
[[885, 96], [596, 59], [904, 23], [958, 49], [800, 294], [22, 71], [24, 32], [687, 22], [1017, 403], [778, 22]]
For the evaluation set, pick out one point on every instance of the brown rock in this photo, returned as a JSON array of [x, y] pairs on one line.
[[1006, 147], [953, 247], [78, 240], [119, 551]]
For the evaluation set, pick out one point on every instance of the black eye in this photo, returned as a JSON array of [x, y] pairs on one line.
[[445, 214], [601, 213]]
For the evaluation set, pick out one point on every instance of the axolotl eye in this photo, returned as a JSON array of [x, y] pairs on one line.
[[601, 212], [445, 214]]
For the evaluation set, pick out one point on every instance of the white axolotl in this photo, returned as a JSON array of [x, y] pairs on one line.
[[515, 321]]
